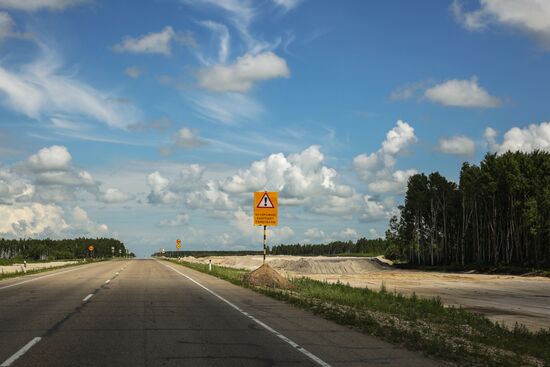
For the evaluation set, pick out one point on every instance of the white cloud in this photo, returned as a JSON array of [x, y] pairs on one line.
[[187, 138], [151, 43], [490, 136], [317, 235], [377, 168], [240, 76], [373, 210], [134, 72], [528, 139], [529, 16], [6, 25], [461, 93], [457, 145], [287, 4], [34, 5], [54, 158], [300, 179], [227, 108], [113, 195], [223, 33], [407, 91], [160, 189], [13, 188], [180, 220], [40, 89], [33, 220], [395, 183]]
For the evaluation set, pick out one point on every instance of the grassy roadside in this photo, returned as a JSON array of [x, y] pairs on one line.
[[37, 271], [451, 334]]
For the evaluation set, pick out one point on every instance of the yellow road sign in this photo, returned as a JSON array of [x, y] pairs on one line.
[[265, 208], [178, 242], [178, 245], [90, 248]]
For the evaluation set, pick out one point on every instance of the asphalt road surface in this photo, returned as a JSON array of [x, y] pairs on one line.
[[153, 313]]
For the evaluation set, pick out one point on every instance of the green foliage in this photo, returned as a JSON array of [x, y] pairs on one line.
[[373, 247], [42, 249], [499, 214], [453, 334]]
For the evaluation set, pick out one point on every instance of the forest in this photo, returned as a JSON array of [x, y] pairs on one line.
[[42, 249], [497, 214], [362, 246]]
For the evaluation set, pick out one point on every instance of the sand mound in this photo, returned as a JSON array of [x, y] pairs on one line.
[[266, 276]]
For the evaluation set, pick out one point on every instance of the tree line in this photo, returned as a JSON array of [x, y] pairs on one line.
[[497, 214], [362, 246], [60, 249]]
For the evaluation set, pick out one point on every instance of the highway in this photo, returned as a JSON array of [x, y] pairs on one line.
[[154, 313]]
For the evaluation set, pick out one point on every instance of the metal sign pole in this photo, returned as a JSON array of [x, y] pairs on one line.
[[265, 240]]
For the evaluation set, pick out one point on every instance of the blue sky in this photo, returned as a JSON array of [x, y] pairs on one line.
[[155, 120]]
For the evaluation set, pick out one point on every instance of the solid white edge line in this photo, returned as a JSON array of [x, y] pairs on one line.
[[20, 352], [87, 297], [42, 277], [302, 350]]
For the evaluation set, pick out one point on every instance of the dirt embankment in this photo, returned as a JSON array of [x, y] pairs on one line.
[[503, 298]]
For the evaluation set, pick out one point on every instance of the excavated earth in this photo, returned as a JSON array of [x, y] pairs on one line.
[[504, 298]]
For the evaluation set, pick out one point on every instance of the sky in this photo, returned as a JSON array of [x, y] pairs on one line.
[[149, 121]]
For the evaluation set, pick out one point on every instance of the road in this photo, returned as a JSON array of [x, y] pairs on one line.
[[153, 313]]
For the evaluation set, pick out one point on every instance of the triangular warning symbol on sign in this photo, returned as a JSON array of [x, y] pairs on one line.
[[265, 202]]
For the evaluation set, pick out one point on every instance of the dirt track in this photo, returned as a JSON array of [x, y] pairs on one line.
[[502, 298]]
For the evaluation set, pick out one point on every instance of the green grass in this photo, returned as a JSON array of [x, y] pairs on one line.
[[426, 325], [36, 271]]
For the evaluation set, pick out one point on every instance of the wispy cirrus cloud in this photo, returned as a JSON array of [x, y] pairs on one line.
[[41, 89], [35, 5]]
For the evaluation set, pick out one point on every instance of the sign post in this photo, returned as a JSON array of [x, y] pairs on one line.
[[266, 212]]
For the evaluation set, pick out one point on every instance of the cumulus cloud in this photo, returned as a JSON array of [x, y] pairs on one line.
[[457, 145], [317, 235], [159, 43], [187, 138], [46, 220], [155, 43], [528, 139], [160, 189], [529, 16], [377, 168], [490, 136], [14, 188], [33, 220], [41, 89], [179, 220], [113, 195], [461, 93], [34, 5], [240, 76], [54, 158]]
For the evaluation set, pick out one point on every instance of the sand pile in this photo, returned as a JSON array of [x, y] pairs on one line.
[[266, 276], [329, 266]]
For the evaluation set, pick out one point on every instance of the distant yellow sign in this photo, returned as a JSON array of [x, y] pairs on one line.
[[178, 244], [265, 208], [90, 248]]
